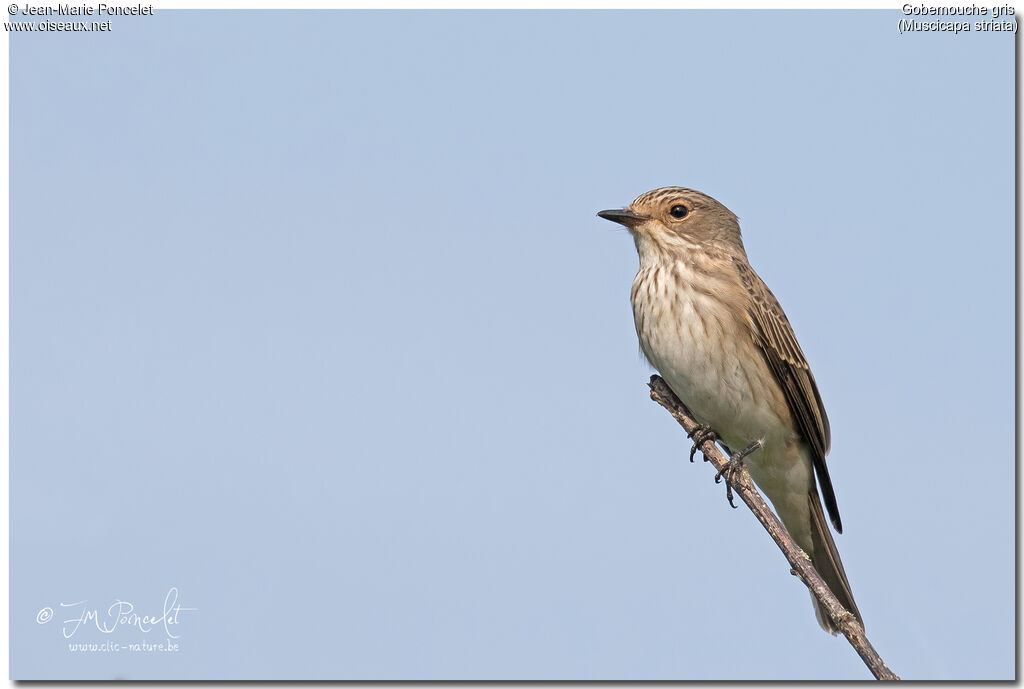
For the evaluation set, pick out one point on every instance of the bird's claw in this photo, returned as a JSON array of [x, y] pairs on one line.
[[700, 435], [733, 467]]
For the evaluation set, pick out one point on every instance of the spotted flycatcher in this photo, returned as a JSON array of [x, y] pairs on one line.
[[720, 340]]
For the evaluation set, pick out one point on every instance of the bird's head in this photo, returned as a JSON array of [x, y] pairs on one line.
[[677, 219]]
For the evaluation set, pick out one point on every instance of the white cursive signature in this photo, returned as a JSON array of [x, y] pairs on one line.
[[122, 613]]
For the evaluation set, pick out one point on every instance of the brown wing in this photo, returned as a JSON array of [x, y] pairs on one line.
[[778, 343]]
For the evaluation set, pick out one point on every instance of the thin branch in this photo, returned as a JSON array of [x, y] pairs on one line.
[[798, 560]]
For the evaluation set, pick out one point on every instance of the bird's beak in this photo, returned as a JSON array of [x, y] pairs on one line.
[[623, 217]]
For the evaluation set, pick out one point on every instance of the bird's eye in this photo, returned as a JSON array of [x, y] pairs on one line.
[[679, 211]]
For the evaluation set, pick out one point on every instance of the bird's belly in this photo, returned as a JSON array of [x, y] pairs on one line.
[[709, 358], [715, 369]]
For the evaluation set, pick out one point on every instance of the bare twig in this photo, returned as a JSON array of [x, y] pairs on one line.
[[802, 567]]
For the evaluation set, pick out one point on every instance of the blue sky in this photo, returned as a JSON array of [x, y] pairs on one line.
[[312, 320]]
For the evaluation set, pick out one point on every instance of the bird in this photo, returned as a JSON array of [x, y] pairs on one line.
[[719, 338]]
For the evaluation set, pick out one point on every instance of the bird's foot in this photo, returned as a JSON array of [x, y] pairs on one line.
[[700, 435], [732, 468]]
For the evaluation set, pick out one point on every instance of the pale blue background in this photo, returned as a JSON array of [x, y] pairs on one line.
[[312, 319]]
